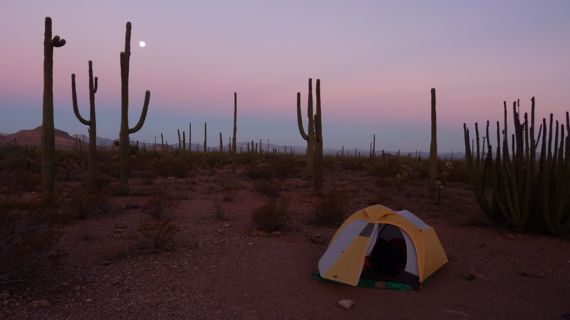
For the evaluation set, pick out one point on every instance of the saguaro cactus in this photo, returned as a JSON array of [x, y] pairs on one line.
[[308, 136], [205, 138], [313, 136], [92, 123], [433, 144], [48, 134], [234, 138], [125, 130], [318, 175]]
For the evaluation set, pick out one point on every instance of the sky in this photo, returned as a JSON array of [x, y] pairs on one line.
[[377, 61]]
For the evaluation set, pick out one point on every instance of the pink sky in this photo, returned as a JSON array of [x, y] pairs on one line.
[[377, 61]]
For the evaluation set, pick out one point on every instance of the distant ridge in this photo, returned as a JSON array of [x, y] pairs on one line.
[[33, 137]]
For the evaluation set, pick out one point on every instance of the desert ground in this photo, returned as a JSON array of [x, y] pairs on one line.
[[219, 266]]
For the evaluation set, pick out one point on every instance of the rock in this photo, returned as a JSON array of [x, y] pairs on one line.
[[455, 312], [318, 238], [220, 231], [116, 280], [346, 304], [533, 274], [37, 304], [276, 234], [471, 275], [259, 233], [227, 225], [452, 257]]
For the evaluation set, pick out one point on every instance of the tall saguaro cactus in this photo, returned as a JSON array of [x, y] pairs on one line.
[[234, 138], [308, 136], [125, 130], [48, 134], [313, 136], [92, 123], [433, 144]]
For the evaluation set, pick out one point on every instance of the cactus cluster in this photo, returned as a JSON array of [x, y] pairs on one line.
[[313, 135], [48, 133], [125, 130], [523, 184], [92, 123]]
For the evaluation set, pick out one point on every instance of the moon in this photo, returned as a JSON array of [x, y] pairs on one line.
[[142, 44]]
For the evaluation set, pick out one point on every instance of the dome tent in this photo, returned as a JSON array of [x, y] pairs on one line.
[[384, 244]]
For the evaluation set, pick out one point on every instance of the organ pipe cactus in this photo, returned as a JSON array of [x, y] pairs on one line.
[[526, 189], [125, 130], [48, 133], [92, 123]]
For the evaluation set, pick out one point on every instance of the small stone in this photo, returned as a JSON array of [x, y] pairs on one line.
[[276, 234], [533, 274], [250, 243], [105, 263], [220, 231], [227, 225], [471, 275], [37, 304], [116, 280], [346, 304], [318, 238]]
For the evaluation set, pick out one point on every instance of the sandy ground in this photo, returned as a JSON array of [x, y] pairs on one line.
[[220, 269]]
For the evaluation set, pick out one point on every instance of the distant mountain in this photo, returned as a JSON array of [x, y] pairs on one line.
[[33, 138]]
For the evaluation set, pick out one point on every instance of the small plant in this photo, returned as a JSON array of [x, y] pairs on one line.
[[26, 239], [219, 211], [271, 188], [271, 216], [331, 209], [158, 205], [157, 235], [87, 205]]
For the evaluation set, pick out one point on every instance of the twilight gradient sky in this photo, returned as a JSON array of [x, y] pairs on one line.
[[377, 61]]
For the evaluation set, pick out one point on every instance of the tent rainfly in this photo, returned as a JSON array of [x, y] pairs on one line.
[[383, 244]]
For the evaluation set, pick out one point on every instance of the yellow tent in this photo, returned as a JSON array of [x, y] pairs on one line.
[[385, 245]]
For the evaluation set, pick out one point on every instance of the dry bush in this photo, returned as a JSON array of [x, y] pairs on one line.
[[84, 204], [26, 239], [271, 188], [157, 235], [259, 171], [332, 208], [159, 204], [172, 167], [271, 216]]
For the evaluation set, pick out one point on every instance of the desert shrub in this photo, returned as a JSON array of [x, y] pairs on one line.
[[26, 237], [271, 188], [259, 171], [172, 167], [157, 235], [84, 204], [331, 209], [219, 211], [271, 216], [159, 204]]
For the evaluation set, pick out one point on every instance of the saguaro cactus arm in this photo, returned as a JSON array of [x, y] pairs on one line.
[[143, 115], [300, 118], [75, 105]]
